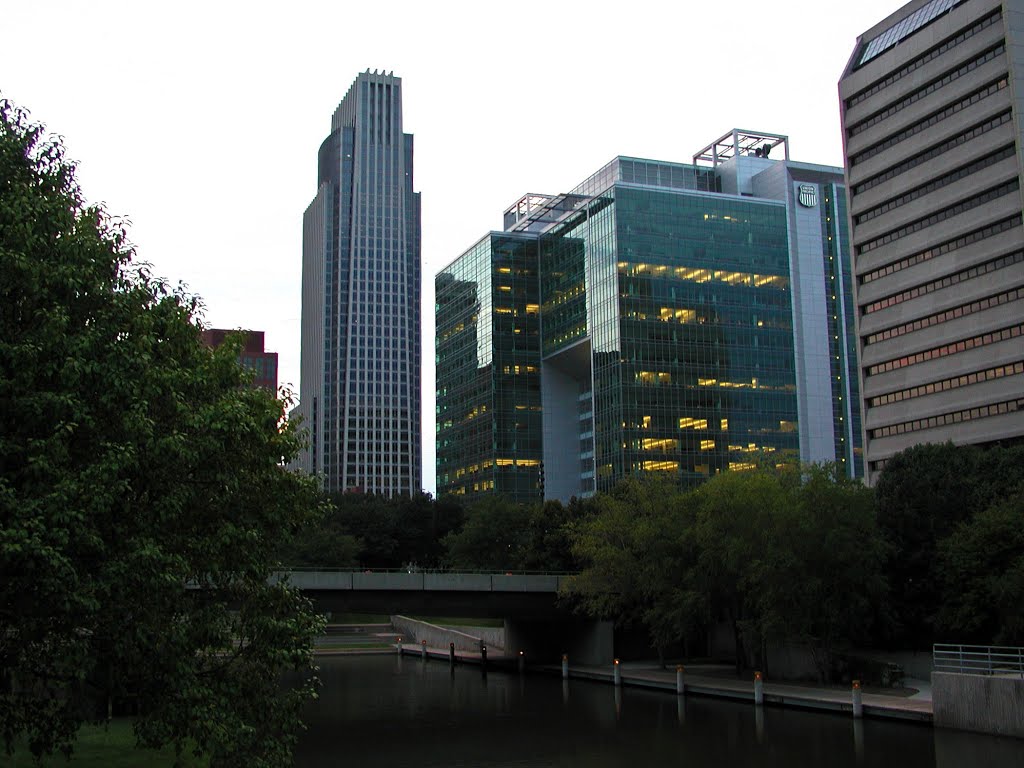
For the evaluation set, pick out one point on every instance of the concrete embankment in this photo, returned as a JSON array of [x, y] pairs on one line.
[[774, 694], [982, 703], [436, 636]]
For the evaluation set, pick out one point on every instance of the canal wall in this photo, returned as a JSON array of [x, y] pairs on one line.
[[983, 703], [441, 637]]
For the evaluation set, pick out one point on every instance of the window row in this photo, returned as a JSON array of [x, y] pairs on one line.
[[702, 275], [950, 280], [919, 62], [928, 122], [989, 374], [945, 350], [945, 419], [943, 317], [927, 90], [943, 181], [938, 250], [949, 212]]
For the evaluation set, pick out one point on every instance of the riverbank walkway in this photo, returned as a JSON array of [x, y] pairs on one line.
[[913, 702]]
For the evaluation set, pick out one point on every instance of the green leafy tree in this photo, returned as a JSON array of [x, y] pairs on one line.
[[546, 545], [982, 565], [637, 549], [824, 581], [422, 524], [370, 531], [923, 495], [492, 537], [142, 494], [736, 517]]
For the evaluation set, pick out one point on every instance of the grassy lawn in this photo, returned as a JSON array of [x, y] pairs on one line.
[[359, 618], [359, 645], [112, 747]]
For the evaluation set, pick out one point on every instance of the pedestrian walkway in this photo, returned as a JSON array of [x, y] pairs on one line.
[[917, 707], [717, 681]]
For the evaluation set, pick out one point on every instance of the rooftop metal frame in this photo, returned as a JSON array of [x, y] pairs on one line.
[[742, 142]]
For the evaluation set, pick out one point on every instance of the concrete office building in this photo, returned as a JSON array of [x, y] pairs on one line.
[[666, 318], [359, 393], [932, 132]]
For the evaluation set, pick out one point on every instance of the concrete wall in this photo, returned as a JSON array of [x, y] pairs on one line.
[[492, 637], [561, 431], [412, 630], [983, 703]]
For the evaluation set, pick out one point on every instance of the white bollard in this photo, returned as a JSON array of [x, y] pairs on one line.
[[398, 645], [565, 666], [680, 682], [423, 649], [617, 673], [758, 688], [858, 704]]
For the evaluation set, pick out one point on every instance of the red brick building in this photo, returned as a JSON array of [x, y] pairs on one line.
[[253, 356]]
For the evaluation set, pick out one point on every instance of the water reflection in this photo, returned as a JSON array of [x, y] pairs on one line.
[[375, 711]]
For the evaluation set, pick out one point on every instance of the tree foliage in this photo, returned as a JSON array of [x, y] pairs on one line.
[[500, 535], [619, 547], [142, 493], [777, 556], [369, 531], [924, 494], [982, 567], [826, 586]]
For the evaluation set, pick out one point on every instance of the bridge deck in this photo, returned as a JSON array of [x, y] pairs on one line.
[[424, 581]]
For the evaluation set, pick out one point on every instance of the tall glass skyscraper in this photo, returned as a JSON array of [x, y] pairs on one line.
[[359, 393], [677, 320]]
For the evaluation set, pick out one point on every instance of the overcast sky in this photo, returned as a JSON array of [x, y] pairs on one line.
[[200, 121]]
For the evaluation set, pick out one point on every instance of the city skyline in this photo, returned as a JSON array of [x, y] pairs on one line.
[[228, 129]]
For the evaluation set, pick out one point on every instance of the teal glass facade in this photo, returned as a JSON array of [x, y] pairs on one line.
[[488, 430], [659, 319], [687, 308]]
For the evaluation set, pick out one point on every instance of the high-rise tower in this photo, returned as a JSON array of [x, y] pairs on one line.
[[360, 377], [661, 319], [930, 107]]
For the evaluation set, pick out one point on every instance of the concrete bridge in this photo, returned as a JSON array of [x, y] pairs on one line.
[[536, 620]]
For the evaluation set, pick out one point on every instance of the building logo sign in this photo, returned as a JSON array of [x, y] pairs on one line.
[[808, 195]]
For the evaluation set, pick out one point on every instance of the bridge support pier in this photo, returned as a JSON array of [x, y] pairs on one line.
[[587, 642]]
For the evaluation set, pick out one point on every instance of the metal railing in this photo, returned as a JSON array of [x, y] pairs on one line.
[[418, 569], [978, 659]]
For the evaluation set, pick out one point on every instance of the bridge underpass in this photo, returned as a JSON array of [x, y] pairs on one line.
[[535, 621]]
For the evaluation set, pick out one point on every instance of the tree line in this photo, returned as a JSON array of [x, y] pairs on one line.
[[935, 552]]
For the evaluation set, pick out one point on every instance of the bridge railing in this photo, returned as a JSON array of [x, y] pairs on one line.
[[978, 659], [423, 580], [418, 569]]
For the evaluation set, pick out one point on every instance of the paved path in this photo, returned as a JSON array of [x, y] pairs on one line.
[[894, 704]]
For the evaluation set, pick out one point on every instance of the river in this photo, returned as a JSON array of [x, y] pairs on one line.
[[377, 711]]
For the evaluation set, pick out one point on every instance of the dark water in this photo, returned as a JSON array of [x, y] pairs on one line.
[[384, 711]]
